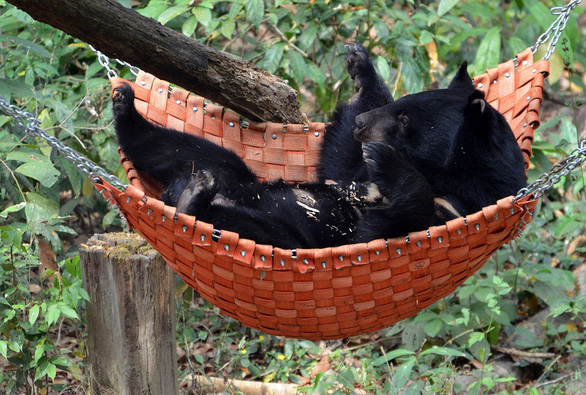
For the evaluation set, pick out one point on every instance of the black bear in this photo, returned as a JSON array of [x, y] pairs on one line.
[[434, 155], [214, 184], [398, 166]]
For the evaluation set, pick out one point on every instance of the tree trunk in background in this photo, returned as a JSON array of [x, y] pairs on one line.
[[130, 317], [143, 42]]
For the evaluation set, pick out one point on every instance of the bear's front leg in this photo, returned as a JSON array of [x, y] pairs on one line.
[[407, 203], [371, 91]]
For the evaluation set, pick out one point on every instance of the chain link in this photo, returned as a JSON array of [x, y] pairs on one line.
[[30, 124], [556, 28], [559, 170], [105, 62]]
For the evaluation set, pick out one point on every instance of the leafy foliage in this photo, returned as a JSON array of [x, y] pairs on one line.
[[47, 202]]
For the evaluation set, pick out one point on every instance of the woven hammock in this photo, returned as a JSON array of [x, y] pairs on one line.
[[324, 293]]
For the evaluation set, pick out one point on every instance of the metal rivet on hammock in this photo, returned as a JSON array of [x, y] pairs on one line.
[[323, 264], [528, 98], [227, 247], [163, 218], [274, 136], [477, 226], [480, 84], [202, 237], [243, 253], [178, 101], [128, 199], [194, 109], [316, 134], [184, 228], [525, 124], [377, 252], [398, 251], [282, 262], [142, 83], [525, 63], [160, 90], [341, 258], [262, 258], [231, 124], [306, 262], [459, 231], [213, 117], [149, 211], [418, 243], [534, 71], [440, 239], [494, 82], [507, 75], [359, 258]]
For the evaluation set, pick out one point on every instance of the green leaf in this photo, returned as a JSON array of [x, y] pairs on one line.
[[272, 58], [203, 15], [42, 171], [40, 350], [189, 26], [443, 351], [171, 13], [307, 38], [391, 355], [489, 50], [382, 67], [433, 327], [68, 312], [53, 313], [12, 209], [411, 75], [255, 10], [4, 349], [33, 314], [297, 65], [445, 6], [36, 48], [227, 28]]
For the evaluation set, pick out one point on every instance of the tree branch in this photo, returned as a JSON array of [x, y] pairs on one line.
[[123, 33]]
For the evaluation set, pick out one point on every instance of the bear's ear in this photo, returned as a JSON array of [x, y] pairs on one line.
[[462, 79], [478, 113], [477, 104]]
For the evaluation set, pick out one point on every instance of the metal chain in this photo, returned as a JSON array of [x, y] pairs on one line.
[[557, 27], [105, 62], [30, 125], [559, 170]]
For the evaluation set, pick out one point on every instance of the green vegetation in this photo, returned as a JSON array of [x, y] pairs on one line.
[[48, 207]]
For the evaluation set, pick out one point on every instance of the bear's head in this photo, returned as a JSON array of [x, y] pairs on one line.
[[450, 135]]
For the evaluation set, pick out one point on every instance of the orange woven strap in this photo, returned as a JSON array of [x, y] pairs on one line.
[[322, 293], [271, 150], [515, 89]]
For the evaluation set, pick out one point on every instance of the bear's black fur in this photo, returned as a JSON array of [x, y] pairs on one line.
[[413, 163], [448, 144], [214, 184]]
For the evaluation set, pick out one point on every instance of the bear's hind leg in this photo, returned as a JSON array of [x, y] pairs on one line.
[[198, 194]]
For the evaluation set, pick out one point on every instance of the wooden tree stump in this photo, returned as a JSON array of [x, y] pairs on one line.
[[131, 316]]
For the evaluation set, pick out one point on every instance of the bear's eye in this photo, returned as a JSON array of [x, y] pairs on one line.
[[404, 119]]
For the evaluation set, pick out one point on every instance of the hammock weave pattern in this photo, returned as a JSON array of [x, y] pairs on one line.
[[324, 293]]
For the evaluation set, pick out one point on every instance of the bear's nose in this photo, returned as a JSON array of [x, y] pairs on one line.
[[359, 121]]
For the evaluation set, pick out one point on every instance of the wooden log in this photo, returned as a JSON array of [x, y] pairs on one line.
[[130, 317], [123, 33]]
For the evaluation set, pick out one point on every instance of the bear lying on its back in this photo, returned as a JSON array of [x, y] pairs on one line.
[[398, 166]]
